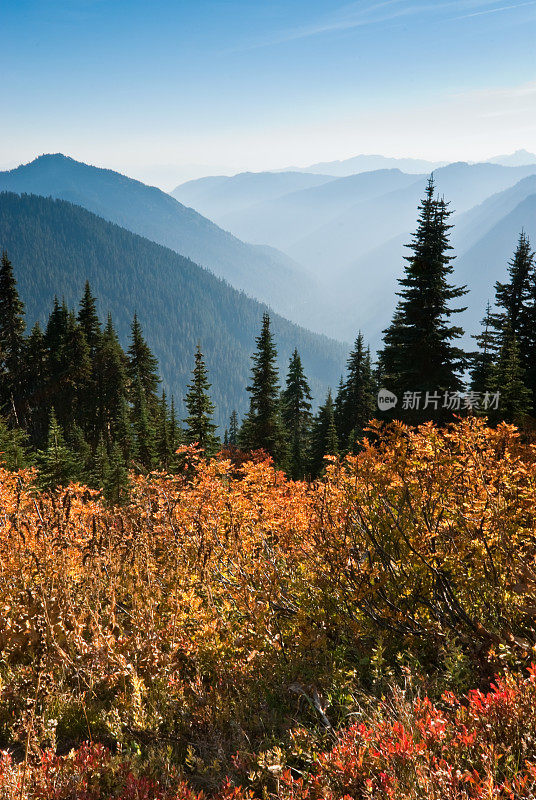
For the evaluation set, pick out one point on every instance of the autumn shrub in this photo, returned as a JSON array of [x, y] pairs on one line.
[[224, 609]]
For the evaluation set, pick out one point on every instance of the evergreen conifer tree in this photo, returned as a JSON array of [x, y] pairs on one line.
[[14, 453], [419, 353], [88, 319], [262, 428], [324, 436], [233, 429], [356, 400], [484, 359], [143, 365], [58, 464], [111, 381], [36, 400], [12, 327], [200, 428], [297, 417], [116, 484], [511, 297], [508, 379], [144, 430]]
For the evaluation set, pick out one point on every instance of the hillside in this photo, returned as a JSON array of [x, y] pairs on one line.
[[55, 244], [220, 195], [147, 211], [486, 261]]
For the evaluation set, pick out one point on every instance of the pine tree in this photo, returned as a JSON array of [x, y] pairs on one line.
[[76, 379], [116, 484], [12, 327], [262, 428], [484, 359], [164, 448], [233, 429], [324, 436], [297, 417], [123, 433], [175, 432], [200, 428], [143, 365], [36, 400], [13, 447], [419, 353], [100, 466], [58, 464], [144, 429], [508, 379], [88, 319], [111, 381], [527, 319], [356, 400], [511, 298]]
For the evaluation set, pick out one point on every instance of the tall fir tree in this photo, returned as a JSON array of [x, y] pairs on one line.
[[297, 418], [511, 298], [234, 429], [419, 354], [262, 429], [14, 450], [110, 374], [144, 430], [57, 464], [88, 319], [324, 440], [143, 365], [484, 359], [164, 445], [355, 401], [12, 327], [508, 380], [200, 428], [36, 400]]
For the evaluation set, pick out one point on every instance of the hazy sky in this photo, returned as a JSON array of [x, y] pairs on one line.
[[169, 89]]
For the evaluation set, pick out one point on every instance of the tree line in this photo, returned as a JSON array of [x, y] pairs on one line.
[[80, 407]]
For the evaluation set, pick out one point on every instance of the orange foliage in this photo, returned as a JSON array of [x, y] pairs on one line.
[[225, 607]]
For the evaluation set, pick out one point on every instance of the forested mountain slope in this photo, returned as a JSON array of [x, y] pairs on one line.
[[262, 273], [54, 244]]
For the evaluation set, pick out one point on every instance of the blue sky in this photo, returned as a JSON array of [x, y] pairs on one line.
[[166, 88]]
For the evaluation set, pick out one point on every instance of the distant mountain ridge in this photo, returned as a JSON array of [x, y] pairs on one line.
[[55, 245], [272, 277], [369, 163]]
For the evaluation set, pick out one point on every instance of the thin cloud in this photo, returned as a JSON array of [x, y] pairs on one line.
[[354, 15], [496, 10]]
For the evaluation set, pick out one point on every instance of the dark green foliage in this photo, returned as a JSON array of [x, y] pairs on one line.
[[12, 328], [58, 464], [233, 430], [484, 359], [142, 365], [262, 428], [505, 362], [297, 418], [324, 436], [511, 298], [13, 447], [200, 429], [88, 319], [355, 401], [144, 425], [508, 379], [419, 353], [57, 246]]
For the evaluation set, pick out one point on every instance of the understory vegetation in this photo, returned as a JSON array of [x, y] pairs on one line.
[[231, 632]]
